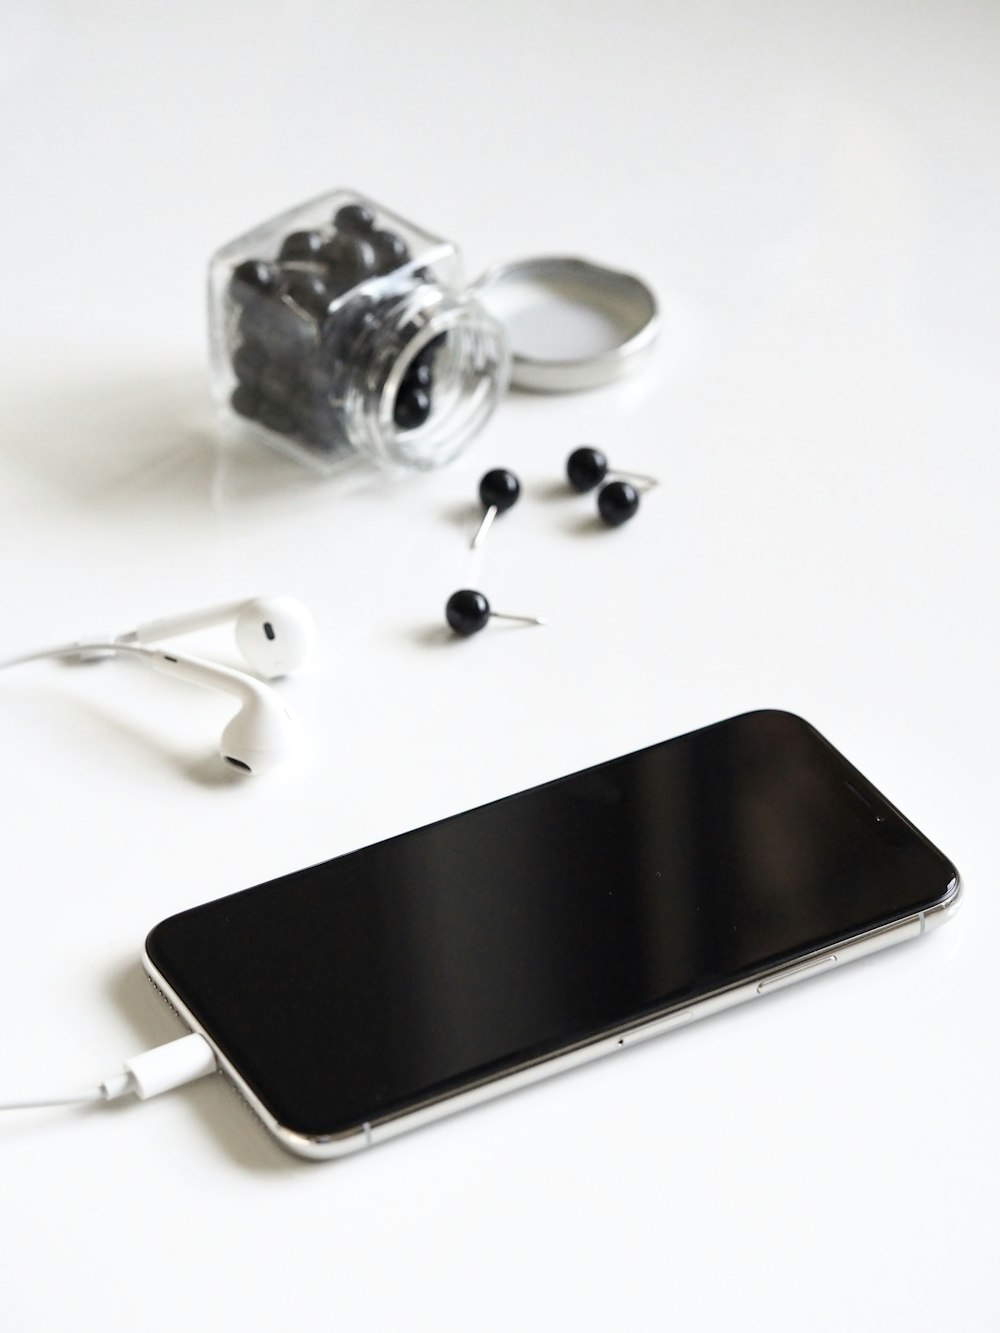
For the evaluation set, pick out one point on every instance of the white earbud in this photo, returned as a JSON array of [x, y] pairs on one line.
[[261, 734], [274, 634]]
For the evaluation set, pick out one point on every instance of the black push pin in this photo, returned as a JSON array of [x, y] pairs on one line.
[[587, 467], [498, 492], [467, 612], [617, 502]]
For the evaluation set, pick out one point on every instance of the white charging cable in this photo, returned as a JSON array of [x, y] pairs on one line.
[[145, 1075]]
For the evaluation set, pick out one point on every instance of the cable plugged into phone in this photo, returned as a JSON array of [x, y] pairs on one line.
[[145, 1075]]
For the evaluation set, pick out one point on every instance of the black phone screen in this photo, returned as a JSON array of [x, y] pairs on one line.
[[448, 955]]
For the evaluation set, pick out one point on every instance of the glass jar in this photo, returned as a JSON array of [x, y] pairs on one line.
[[340, 330]]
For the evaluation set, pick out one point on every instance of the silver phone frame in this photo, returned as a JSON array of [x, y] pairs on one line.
[[368, 1133]]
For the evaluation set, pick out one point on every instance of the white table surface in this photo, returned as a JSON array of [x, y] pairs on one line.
[[812, 189]]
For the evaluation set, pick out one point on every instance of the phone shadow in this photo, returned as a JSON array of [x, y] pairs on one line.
[[230, 1121]]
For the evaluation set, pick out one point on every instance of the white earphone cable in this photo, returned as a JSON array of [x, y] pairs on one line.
[[54, 1099], [64, 650], [145, 1075], [164, 1067], [85, 650]]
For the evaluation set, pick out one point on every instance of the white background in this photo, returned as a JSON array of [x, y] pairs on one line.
[[812, 190]]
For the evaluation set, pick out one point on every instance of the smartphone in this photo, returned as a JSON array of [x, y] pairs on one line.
[[388, 987]]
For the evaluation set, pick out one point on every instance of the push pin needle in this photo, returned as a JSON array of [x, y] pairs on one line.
[[484, 526]]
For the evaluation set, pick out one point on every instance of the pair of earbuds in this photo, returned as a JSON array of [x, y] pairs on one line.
[[275, 636]]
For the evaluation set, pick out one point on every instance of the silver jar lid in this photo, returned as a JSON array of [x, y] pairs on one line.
[[571, 324]]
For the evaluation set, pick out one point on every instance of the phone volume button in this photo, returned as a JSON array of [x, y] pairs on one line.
[[799, 973]]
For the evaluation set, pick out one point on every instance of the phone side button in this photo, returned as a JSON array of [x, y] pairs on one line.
[[656, 1028], [793, 974]]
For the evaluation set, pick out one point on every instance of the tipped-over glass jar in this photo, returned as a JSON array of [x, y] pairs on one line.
[[340, 330]]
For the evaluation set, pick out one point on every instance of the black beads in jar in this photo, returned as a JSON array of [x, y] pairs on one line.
[[340, 330]]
